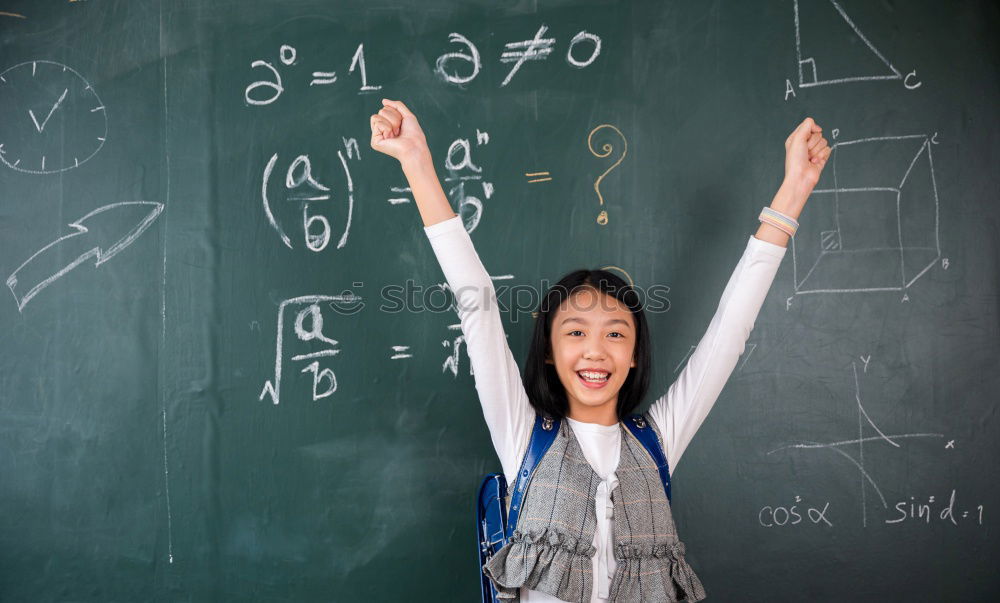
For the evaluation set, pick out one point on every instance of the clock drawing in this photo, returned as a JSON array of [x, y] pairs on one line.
[[53, 119]]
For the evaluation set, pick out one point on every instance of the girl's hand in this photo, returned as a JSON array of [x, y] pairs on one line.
[[806, 153], [396, 133]]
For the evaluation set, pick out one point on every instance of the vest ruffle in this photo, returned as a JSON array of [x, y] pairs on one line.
[[544, 560], [677, 581]]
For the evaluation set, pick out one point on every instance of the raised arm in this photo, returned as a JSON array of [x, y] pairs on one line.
[[509, 416], [681, 411]]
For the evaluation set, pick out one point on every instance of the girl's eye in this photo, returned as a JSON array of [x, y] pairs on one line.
[[617, 334]]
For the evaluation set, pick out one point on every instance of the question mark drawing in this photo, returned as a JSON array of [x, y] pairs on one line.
[[606, 148]]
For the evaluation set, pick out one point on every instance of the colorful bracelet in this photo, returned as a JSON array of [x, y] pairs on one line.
[[779, 220]]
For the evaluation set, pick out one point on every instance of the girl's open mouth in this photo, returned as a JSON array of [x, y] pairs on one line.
[[593, 379]]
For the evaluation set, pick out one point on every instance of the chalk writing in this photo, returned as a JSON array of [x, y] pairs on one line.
[[399, 189], [462, 170], [302, 186], [358, 60], [400, 351], [912, 511], [536, 49], [454, 344], [308, 327], [462, 66], [791, 515], [451, 362], [471, 56], [266, 91]]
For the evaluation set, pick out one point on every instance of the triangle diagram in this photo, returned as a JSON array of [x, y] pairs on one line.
[[831, 49]]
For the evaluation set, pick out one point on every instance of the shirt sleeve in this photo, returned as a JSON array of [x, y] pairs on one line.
[[509, 416], [680, 412]]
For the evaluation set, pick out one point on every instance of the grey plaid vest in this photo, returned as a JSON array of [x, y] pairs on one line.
[[551, 550]]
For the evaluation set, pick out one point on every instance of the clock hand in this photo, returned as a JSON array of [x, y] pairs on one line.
[[37, 127], [51, 111]]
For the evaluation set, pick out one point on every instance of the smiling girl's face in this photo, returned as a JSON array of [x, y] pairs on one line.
[[592, 347]]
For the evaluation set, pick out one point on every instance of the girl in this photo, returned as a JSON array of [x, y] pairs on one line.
[[595, 524]]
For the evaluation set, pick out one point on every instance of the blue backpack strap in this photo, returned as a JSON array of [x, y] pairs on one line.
[[542, 435], [491, 517], [643, 432]]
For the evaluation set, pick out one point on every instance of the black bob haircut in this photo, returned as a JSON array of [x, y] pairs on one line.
[[545, 391]]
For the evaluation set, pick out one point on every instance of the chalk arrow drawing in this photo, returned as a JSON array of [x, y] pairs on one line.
[[36, 271]]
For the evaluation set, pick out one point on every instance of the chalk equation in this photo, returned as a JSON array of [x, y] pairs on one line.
[[912, 511], [101, 234], [463, 171], [266, 91], [458, 67], [53, 119], [302, 188], [463, 66], [905, 511], [464, 175], [308, 327]]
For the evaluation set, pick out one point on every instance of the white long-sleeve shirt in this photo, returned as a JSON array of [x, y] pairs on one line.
[[678, 413]]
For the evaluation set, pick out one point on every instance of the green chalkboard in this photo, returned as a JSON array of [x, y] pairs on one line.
[[230, 371]]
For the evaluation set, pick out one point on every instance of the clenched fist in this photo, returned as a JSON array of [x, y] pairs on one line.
[[396, 133], [806, 153]]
